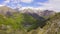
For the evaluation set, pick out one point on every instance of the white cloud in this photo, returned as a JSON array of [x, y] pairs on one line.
[[1, 5], [15, 3], [27, 1], [51, 5], [12, 3]]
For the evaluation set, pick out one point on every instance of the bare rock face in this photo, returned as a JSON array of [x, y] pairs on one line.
[[38, 12], [5, 9], [47, 12]]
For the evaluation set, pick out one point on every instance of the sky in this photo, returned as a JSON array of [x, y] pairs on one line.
[[41, 4]]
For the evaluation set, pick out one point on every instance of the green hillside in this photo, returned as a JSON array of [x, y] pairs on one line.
[[28, 23]]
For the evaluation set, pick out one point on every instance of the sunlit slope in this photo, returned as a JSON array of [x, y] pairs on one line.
[[53, 25], [5, 9]]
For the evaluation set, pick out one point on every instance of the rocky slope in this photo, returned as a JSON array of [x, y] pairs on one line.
[[53, 25]]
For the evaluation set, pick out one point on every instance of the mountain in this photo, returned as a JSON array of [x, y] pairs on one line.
[[36, 13], [5, 9], [29, 21], [31, 11], [39, 12]]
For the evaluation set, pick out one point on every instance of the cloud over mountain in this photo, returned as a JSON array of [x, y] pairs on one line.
[[51, 4], [42, 4]]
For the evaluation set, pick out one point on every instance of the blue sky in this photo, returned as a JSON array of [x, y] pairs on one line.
[[23, 4], [1, 1], [34, 3], [42, 4]]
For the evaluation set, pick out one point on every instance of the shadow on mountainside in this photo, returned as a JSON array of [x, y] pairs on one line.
[[30, 23], [40, 21]]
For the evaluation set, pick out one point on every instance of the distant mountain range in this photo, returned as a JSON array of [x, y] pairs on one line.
[[5, 9]]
